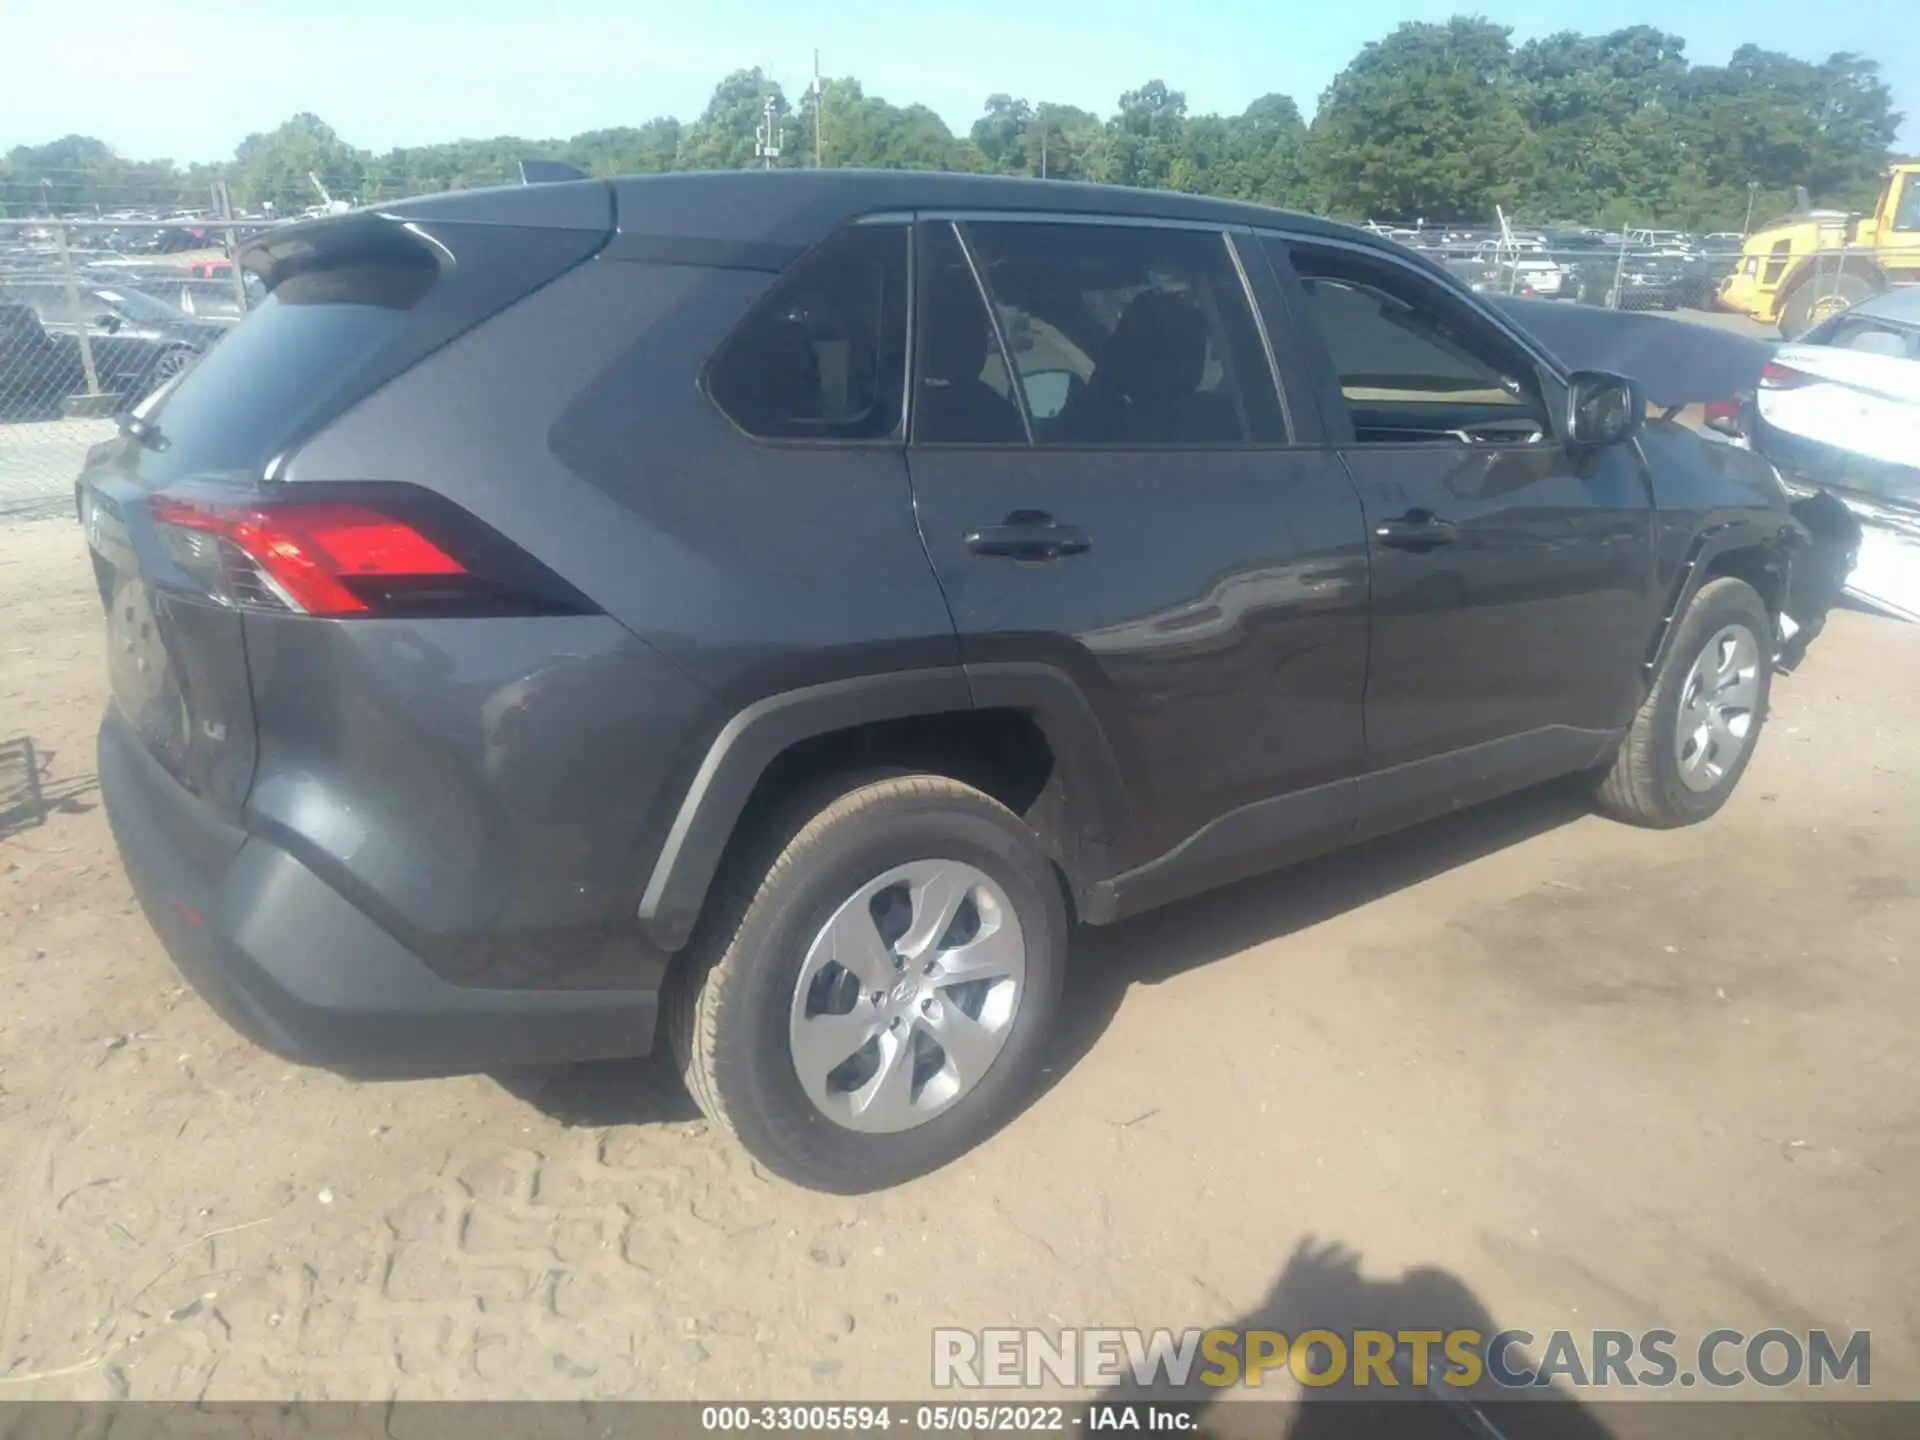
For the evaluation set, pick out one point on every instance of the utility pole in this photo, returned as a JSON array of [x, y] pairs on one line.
[[1747, 229], [766, 140], [816, 109]]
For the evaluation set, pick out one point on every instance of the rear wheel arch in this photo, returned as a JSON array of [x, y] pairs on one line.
[[1021, 734]]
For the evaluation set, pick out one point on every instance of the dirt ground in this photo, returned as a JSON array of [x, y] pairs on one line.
[[1563, 1072]]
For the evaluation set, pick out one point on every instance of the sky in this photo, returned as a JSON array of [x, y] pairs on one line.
[[189, 81]]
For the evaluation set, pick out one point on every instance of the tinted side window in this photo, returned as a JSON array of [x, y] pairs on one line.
[[1414, 363], [1128, 335], [823, 355], [964, 394]]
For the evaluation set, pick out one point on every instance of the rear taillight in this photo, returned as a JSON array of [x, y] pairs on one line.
[[1724, 416], [344, 557], [1775, 376]]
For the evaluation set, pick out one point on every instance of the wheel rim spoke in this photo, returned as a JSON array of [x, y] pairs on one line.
[[1726, 744], [970, 1046], [887, 1099], [853, 942], [992, 955], [823, 1043], [937, 898]]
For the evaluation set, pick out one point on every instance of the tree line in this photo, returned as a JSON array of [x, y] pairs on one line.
[[1435, 122]]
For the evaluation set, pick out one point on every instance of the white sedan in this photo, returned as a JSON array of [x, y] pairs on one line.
[[1840, 409]]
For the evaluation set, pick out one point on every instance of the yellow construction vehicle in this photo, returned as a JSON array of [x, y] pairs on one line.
[[1800, 269]]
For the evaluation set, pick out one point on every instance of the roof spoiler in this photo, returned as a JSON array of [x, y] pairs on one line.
[[548, 172]]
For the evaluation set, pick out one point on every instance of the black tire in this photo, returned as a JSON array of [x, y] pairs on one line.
[[1643, 785], [728, 1007], [1820, 296]]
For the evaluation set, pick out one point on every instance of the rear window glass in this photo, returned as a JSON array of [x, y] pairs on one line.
[[338, 327], [272, 377]]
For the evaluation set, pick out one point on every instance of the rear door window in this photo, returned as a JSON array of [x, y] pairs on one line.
[[1127, 334], [823, 355]]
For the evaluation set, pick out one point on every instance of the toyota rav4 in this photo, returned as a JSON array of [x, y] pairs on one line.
[[774, 609]]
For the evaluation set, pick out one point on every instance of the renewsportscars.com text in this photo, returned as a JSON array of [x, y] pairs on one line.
[[1385, 1359]]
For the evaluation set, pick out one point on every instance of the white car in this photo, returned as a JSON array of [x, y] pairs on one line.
[[1517, 268], [1840, 409]]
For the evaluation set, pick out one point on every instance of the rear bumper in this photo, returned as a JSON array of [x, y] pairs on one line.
[[292, 965]]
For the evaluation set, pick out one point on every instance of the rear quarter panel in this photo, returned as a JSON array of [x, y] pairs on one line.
[[525, 774]]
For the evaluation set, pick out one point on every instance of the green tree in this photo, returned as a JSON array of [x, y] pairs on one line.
[[1000, 135], [1436, 121], [278, 168], [1425, 123], [1776, 121], [1143, 139], [723, 137], [648, 149], [1602, 111], [861, 131]]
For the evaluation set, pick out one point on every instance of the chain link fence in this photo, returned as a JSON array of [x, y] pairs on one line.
[[97, 314], [1641, 270], [94, 316]]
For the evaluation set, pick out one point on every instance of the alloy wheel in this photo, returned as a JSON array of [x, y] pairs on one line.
[[1716, 719], [907, 995]]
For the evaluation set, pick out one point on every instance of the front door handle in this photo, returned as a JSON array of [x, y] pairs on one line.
[[1416, 530], [1028, 535]]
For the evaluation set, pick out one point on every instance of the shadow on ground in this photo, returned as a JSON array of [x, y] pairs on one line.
[[1107, 961], [1321, 1288], [606, 1092], [27, 795]]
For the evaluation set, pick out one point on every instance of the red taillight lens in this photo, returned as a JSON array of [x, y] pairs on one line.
[[311, 555], [1724, 416], [1775, 376]]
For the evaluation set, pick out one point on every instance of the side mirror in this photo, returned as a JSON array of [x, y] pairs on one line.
[[1603, 409]]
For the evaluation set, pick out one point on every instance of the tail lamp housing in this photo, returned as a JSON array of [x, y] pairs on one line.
[[353, 553]]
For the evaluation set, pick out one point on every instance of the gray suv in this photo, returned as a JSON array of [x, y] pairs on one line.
[[775, 609]]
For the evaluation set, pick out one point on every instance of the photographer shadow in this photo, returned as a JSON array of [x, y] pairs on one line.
[[1321, 1287]]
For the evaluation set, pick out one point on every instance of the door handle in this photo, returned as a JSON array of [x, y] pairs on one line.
[[1416, 530], [1028, 535]]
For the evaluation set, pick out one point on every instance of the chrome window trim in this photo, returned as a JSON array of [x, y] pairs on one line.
[[1075, 217]]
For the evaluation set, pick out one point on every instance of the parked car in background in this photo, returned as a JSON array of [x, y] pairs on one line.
[[211, 301], [749, 670], [138, 341], [1527, 271], [36, 371], [1840, 410]]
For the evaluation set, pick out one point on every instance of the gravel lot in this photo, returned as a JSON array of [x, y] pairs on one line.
[[1574, 1074]]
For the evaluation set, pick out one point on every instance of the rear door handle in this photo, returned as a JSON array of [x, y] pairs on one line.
[[1028, 535], [1416, 530]]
